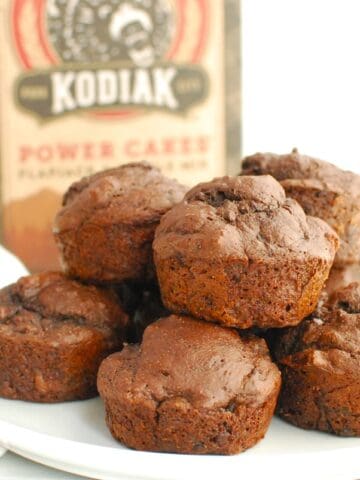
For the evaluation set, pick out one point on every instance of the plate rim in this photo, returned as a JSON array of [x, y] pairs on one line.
[[108, 463]]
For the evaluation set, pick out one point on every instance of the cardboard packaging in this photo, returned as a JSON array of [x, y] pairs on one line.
[[90, 84]]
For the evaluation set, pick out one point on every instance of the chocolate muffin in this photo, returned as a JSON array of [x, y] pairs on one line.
[[237, 252], [320, 363], [106, 226], [323, 191], [190, 387], [54, 332]]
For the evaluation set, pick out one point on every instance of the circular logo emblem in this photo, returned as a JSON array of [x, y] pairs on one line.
[[52, 32], [86, 54], [96, 31]]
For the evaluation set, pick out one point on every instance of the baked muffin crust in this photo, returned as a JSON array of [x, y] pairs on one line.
[[54, 332], [236, 251], [320, 364], [190, 387], [106, 226], [322, 189]]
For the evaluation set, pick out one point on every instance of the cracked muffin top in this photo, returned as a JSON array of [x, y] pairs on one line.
[[322, 189], [332, 330], [131, 194], [302, 167], [245, 217], [207, 365], [52, 306]]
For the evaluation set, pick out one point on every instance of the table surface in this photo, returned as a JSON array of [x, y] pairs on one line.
[[14, 467]]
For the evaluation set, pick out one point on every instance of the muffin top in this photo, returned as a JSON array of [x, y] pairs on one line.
[[131, 194], [63, 310], [294, 166], [333, 329], [203, 364], [247, 218], [322, 189]]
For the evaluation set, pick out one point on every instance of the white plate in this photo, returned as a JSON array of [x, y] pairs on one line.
[[10, 270], [73, 437]]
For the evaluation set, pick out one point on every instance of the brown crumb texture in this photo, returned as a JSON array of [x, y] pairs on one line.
[[54, 332], [322, 189], [106, 226], [320, 364], [236, 251], [190, 387]]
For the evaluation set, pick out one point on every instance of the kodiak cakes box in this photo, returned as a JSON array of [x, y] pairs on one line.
[[90, 84]]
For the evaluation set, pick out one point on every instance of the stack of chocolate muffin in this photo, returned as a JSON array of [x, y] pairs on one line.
[[320, 358], [190, 285], [56, 328], [323, 191]]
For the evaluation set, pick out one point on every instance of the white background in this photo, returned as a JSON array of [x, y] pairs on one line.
[[301, 78]]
